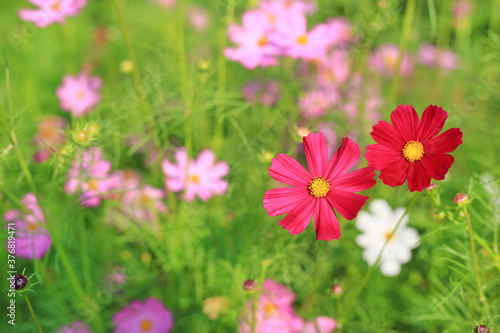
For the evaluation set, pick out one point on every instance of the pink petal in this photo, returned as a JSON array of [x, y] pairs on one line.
[[395, 174], [281, 200], [299, 217], [385, 134], [418, 178], [446, 142], [380, 156], [326, 224], [287, 170], [348, 204], [405, 120], [355, 181], [432, 123], [437, 164], [316, 153], [343, 159]]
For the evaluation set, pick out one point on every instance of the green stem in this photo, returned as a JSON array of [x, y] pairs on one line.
[[85, 255], [265, 264], [32, 313], [432, 17], [137, 75], [408, 20], [367, 275]]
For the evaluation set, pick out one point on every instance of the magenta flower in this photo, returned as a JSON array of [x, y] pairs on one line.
[[384, 59], [89, 175], [76, 327], [326, 188], [201, 177], [252, 38], [49, 137], [32, 240], [79, 94], [149, 316], [143, 203], [51, 11]]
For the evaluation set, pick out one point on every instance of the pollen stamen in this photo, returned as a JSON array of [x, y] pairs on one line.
[[413, 151], [318, 187]]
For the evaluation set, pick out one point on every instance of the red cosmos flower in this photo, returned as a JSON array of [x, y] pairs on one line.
[[327, 187], [410, 150]]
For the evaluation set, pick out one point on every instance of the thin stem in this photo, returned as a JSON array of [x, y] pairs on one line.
[[137, 75], [265, 264], [432, 17], [367, 275], [85, 255], [408, 20], [474, 258], [33, 313]]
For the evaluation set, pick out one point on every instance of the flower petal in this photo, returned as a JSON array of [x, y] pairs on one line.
[[405, 120], [418, 178], [287, 170], [385, 134], [299, 217], [326, 224], [381, 156], [281, 200], [346, 203], [343, 159], [437, 164], [316, 153], [355, 181], [445, 142], [395, 174], [431, 124]]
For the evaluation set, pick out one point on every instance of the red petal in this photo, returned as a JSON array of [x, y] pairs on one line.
[[281, 200], [445, 142], [346, 203], [300, 216], [432, 123], [325, 221], [343, 159], [418, 178], [380, 156], [385, 134], [287, 170], [395, 174], [316, 153], [355, 181], [437, 164], [405, 120]]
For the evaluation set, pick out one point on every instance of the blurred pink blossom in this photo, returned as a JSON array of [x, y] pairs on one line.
[[167, 3], [462, 8], [79, 94], [76, 327], [49, 137], [339, 31], [148, 316], [334, 68], [201, 177], [317, 102], [430, 55], [51, 11], [32, 240], [142, 204], [384, 59], [90, 175], [266, 93], [198, 17]]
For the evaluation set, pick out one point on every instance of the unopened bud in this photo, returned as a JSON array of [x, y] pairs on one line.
[[460, 199], [93, 128], [249, 284], [303, 131], [336, 289], [20, 281], [81, 136], [482, 329], [430, 187]]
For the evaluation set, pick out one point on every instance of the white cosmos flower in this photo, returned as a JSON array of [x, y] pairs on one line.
[[376, 228]]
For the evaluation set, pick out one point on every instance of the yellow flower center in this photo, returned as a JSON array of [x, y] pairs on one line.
[[144, 200], [93, 184], [32, 226], [55, 6], [302, 40], [413, 151], [80, 95], [146, 325], [262, 41], [319, 187], [389, 235], [194, 179], [269, 308]]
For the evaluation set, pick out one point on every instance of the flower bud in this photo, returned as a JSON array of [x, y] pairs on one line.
[[20, 281], [336, 289], [93, 129], [303, 131], [249, 284], [460, 199], [482, 329], [81, 136], [127, 66], [430, 187]]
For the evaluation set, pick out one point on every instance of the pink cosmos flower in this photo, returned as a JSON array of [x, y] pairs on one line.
[[51, 11], [462, 8], [324, 324], [326, 187], [339, 31], [167, 3], [198, 17], [32, 240], [76, 327], [50, 135], [384, 59], [266, 93], [201, 177], [429, 55], [143, 203], [334, 68], [149, 316], [316, 103], [89, 175], [79, 94]]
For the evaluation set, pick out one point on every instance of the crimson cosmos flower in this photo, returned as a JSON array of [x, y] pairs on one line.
[[327, 187], [410, 150]]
